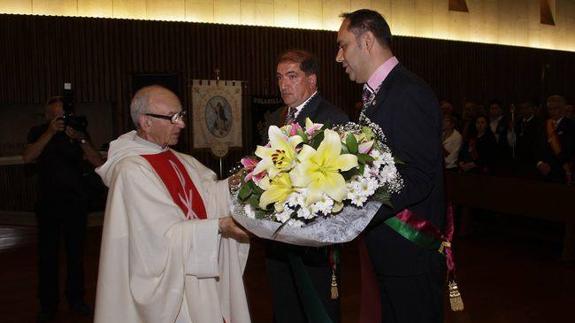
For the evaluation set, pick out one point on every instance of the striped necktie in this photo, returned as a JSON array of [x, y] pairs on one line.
[[290, 117], [367, 95]]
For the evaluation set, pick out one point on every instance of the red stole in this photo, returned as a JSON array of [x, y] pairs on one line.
[[178, 183]]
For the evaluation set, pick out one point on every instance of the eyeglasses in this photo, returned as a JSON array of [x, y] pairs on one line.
[[174, 118]]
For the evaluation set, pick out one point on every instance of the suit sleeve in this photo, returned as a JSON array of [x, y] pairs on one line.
[[415, 140]]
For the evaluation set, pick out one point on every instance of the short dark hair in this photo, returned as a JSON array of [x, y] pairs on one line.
[[363, 20], [308, 63], [54, 99], [497, 102]]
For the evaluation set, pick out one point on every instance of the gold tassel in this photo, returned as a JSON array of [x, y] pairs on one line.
[[334, 292], [455, 299]]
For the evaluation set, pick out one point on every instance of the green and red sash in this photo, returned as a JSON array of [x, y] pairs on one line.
[[425, 234]]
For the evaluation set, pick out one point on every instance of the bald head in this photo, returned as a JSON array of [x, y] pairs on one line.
[[157, 114], [144, 99]]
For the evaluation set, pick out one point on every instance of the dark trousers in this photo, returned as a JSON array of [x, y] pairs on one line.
[[413, 299], [287, 304], [52, 224]]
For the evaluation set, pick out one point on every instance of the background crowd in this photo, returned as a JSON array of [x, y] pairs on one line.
[[526, 140]]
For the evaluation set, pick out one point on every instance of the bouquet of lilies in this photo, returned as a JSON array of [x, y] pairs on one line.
[[306, 179]]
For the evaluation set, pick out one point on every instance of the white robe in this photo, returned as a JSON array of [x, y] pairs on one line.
[[156, 266]]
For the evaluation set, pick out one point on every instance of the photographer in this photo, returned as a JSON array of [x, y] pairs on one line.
[[63, 152]]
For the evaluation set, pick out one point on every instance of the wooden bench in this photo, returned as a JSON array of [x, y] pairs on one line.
[[517, 196]]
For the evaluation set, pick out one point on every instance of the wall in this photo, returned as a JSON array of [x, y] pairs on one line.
[[506, 22], [100, 56]]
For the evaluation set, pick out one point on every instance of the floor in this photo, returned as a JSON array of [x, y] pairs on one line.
[[505, 275]]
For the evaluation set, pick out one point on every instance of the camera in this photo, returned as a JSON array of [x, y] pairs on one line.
[[78, 123]]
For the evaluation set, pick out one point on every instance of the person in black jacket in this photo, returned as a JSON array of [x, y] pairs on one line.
[[479, 152], [528, 135], [558, 151], [297, 81], [63, 155], [410, 278]]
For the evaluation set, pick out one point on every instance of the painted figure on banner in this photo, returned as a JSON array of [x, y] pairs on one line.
[[219, 116]]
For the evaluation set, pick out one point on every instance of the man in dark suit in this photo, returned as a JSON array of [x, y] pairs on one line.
[[410, 278], [297, 80], [558, 151], [528, 132]]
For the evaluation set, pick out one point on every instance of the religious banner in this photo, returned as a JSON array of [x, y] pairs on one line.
[[217, 113]]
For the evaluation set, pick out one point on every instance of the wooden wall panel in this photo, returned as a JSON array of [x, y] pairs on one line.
[[99, 57]]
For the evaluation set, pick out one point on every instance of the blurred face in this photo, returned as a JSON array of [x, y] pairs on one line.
[[481, 125], [555, 107], [161, 131], [295, 87], [495, 110], [54, 110], [526, 110], [468, 111], [446, 107], [352, 57], [447, 124]]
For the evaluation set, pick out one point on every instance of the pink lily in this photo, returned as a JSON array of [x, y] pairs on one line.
[[249, 164], [311, 128], [365, 147]]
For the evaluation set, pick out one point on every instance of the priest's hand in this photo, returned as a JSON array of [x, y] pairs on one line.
[[230, 229]]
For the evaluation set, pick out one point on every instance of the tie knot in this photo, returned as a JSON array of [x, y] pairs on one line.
[[367, 94], [290, 118]]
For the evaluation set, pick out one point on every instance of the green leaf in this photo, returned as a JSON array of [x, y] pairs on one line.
[[245, 191], [316, 141], [303, 135], [364, 158], [260, 214], [344, 149], [351, 143], [347, 175], [254, 201], [383, 196]]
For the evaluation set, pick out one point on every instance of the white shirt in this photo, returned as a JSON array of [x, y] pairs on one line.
[[452, 145]]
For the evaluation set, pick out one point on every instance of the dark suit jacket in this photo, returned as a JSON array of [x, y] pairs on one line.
[[407, 111], [321, 111], [529, 134], [486, 147]]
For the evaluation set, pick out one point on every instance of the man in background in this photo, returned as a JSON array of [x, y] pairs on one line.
[[63, 157], [558, 151]]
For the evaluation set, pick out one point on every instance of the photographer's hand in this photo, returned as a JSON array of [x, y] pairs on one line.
[[33, 150], [56, 125], [75, 134], [90, 153]]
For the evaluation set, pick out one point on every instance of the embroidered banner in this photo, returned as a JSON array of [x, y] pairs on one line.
[[216, 113]]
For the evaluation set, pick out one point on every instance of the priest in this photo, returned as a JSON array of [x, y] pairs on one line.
[[170, 251]]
